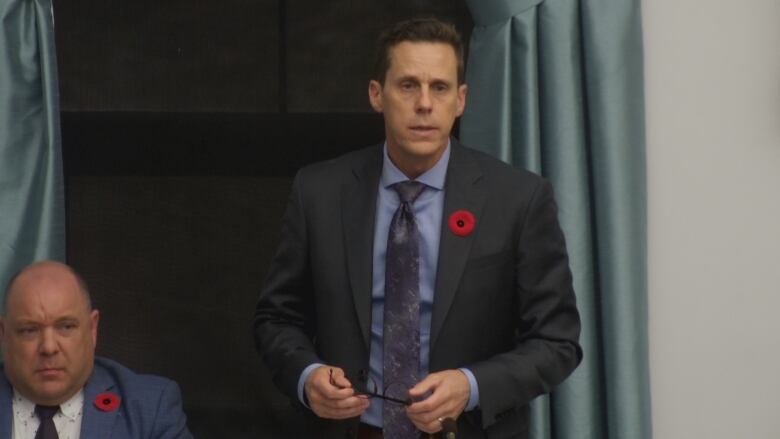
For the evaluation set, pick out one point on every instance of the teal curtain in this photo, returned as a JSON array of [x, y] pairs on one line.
[[556, 86], [32, 214]]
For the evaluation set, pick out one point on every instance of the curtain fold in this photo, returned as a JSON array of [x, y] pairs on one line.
[[556, 86], [32, 213]]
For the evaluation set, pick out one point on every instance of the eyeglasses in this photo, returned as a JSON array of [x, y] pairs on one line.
[[366, 386]]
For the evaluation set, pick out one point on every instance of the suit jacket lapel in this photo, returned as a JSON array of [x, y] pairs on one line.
[[358, 206], [462, 192], [6, 396], [97, 423]]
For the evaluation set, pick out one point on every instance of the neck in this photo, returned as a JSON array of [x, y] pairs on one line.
[[411, 165]]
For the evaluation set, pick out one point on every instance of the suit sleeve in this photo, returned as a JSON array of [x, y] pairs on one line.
[[284, 314], [170, 420], [546, 348]]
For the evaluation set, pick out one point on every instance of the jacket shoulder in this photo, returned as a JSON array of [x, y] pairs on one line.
[[338, 166], [495, 169], [128, 378], [150, 405], [135, 389]]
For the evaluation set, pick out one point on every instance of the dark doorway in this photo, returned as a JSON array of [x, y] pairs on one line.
[[183, 123]]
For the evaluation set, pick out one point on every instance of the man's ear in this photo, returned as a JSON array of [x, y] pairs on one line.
[[375, 95], [94, 318], [462, 89]]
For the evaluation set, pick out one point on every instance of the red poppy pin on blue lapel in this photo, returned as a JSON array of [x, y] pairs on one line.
[[461, 223], [107, 402]]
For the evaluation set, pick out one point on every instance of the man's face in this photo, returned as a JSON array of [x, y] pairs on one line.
[[48, 335], [420, 100]]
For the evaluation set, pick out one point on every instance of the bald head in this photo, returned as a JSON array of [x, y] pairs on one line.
[[48, 333], [52, 270]]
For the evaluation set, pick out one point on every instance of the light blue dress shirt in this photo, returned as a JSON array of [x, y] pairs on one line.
[[428, 210]]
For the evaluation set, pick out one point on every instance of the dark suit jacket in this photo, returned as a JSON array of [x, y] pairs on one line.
[[150, 406], [503, 301]]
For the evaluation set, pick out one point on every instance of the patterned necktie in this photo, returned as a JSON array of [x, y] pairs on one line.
[[46, 430], [401, 364]]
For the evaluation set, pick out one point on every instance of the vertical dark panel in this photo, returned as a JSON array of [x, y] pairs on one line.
[[282, 56], [173, 55], [174, 265]]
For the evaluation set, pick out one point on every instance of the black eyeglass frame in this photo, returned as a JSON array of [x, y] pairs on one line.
[[362, 389]]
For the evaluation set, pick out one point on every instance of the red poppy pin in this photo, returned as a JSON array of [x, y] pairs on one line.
[[461, 223], [107, 402]]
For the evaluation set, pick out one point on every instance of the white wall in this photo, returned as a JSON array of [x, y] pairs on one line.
[[713, 146]]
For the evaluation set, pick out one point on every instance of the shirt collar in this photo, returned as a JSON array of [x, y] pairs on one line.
[[71, 408], [433, 177], [24, 405]]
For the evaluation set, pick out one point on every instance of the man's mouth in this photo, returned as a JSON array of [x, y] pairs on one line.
[[50, 372], [423, 129]]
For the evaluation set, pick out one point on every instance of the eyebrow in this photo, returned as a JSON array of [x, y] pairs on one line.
[[26, 321], [413, 77], [408, 78]]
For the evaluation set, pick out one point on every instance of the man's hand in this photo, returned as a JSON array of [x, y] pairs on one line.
[[449, 395], [330, 394]]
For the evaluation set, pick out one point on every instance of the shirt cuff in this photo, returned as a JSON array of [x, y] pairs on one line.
[[302, 380], [474, 395]]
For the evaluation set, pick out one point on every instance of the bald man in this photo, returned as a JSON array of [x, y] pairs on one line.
[[51, 384]]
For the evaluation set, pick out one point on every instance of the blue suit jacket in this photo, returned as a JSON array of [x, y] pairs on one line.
[[150, 406]]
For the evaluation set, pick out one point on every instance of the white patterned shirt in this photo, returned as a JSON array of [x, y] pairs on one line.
[[67, 420]]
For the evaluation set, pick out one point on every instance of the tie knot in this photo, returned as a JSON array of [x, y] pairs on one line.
[[46, 411], [408, 190]]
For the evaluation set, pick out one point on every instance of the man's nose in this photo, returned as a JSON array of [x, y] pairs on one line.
[[49, 344], [424, 102]]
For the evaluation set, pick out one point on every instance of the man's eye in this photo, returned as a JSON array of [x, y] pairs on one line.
[[407, 85], [67, 327], [27, 331]]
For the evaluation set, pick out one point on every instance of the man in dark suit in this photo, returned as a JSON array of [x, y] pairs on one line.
[[484, 260], [53, 386]]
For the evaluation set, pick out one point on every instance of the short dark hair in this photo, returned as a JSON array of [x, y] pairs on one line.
[[429, 30]]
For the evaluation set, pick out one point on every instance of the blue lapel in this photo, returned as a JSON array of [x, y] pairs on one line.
[[97, 423], [6, 394]]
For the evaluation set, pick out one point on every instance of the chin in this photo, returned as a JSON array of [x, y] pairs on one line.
[[425, 148], [53, 393]]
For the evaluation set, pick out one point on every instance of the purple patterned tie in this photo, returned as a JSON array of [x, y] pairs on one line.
[[401, 368], [46, 429]]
